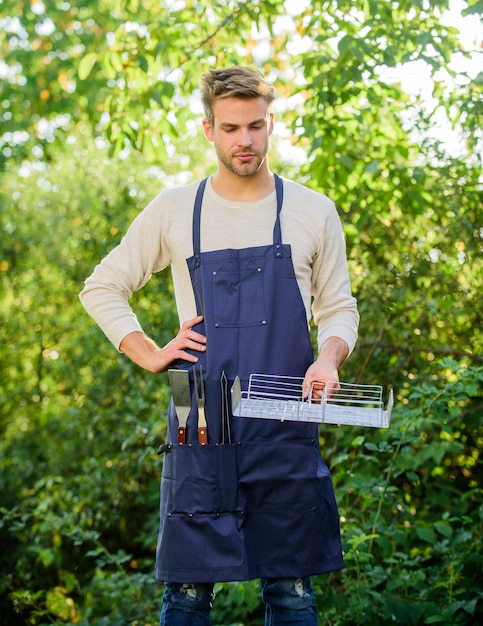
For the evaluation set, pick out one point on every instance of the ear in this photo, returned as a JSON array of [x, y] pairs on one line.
[[271, 124], [208, 128]]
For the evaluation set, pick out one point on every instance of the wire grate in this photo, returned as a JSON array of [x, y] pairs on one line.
[[281, 398]]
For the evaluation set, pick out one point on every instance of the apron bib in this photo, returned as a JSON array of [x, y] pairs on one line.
[[257, 500]]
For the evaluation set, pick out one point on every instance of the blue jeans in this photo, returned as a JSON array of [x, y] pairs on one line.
[[289, 602]]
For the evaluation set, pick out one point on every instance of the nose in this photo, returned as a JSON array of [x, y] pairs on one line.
[[245, 137]]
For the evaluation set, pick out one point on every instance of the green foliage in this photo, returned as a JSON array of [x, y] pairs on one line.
[[80, 425], [61, 418], [410, 502], [128, 66]]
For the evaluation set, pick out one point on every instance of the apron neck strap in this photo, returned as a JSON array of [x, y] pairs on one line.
[[197, 220], [277, 230]]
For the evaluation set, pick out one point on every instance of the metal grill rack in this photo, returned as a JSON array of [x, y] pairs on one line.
[[281, 398]]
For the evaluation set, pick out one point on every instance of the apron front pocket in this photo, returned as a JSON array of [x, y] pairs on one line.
[[201, 479], [279, 476], [228, 465]]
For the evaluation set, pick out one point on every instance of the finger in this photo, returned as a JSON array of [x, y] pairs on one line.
[[196, 345], [187, 356], [317, 391], [333, 388], [188, 324], [186, 331], [197, 337], [313, 389]]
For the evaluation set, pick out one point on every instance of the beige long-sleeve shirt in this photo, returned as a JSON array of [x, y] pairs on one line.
[[161, 236]]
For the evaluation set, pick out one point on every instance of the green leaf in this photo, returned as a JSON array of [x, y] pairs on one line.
[[115, 60], [467, 605], [472, 389], [454, 410], [373, 166], [107, 67], [426, 534], [142, 63], [86, 64], [473, 8], [444, 529], [347, 162], [441, 618], [345, 43]]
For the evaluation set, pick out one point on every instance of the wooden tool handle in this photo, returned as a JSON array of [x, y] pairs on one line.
[[202, 435], [181, 434]]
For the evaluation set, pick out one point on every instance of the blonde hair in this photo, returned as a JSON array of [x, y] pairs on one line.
[[233, 82]]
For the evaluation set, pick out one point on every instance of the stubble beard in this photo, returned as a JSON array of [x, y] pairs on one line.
[[245, 170]]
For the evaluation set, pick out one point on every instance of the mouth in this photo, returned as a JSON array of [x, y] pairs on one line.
[[244, 157]]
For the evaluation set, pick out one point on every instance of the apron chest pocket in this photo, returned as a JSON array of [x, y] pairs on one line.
[[238, 295]]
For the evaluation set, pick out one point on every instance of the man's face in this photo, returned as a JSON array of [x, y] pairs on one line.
[[240, 132]]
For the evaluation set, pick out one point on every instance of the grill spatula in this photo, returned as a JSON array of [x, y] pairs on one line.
[[180, 388]]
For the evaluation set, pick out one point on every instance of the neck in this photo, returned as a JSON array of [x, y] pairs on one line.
[[243, 188]]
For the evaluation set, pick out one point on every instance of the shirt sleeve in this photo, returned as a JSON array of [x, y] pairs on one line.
[[334, 308], [127, 268]]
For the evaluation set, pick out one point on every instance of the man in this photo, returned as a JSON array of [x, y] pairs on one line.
[[253, 258]]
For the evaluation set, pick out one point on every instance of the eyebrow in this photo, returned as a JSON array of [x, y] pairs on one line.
[[261, 120]]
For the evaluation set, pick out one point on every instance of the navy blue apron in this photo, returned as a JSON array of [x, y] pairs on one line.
[[257, 500]]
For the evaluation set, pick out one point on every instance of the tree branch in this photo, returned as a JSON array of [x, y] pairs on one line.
[[220, 26]]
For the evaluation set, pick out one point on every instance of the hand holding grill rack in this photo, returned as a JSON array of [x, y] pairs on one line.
[[281, 398]]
